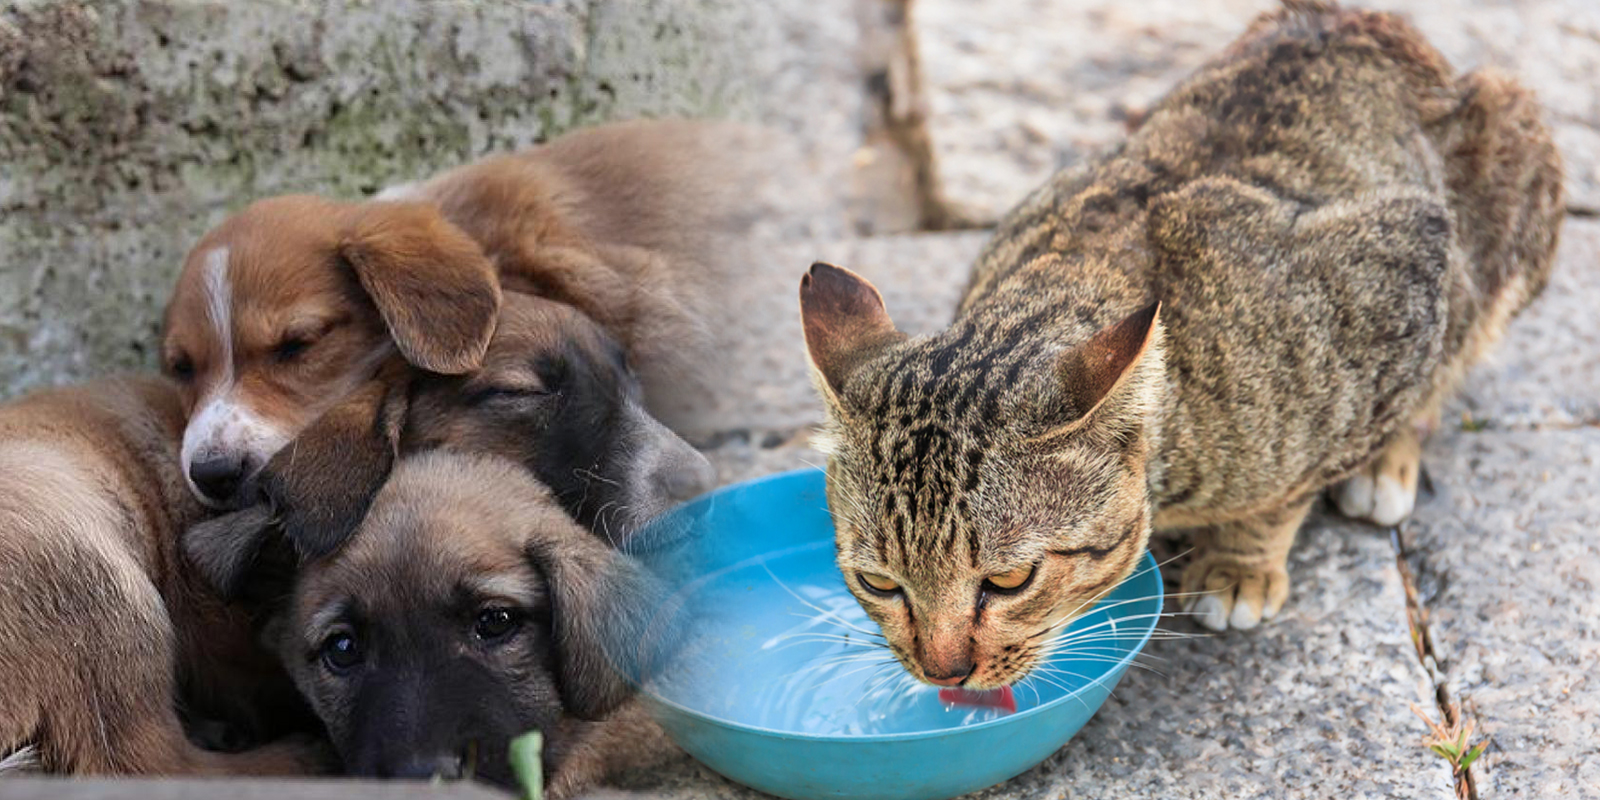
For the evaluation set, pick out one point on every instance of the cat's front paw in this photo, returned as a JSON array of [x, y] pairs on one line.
[[1223, 592]]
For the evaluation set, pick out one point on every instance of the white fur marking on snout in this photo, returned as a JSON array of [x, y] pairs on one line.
[[223, 425]]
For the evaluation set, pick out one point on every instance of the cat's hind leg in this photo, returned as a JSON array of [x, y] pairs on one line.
[[1240, 573]]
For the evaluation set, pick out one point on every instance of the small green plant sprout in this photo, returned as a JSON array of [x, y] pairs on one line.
[[1451, 739], [527, 761]]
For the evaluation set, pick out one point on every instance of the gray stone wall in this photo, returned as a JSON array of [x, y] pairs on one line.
[[129, 127]]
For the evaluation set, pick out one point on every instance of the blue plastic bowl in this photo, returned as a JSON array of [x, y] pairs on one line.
[[780, 688]]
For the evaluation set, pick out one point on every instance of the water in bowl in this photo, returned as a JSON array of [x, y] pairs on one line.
[[804, 657]]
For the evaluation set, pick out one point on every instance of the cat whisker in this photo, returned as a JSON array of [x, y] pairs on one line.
[[813, 606], [1103, 592], [1132, 662], [878, 682], [1112, 622], [820, 670], [832, 617], [1043, 678], [1136, 573], [788, 640], [1087, 680]]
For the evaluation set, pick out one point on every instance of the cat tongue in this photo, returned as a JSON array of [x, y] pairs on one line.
[[1000, 698]]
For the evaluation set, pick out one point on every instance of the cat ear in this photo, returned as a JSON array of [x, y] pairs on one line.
[[844, 320], [1094, 371]]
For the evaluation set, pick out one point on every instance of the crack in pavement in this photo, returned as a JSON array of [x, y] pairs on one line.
[[1417, 618]]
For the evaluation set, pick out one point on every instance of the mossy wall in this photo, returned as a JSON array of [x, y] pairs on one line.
[[129, 127]]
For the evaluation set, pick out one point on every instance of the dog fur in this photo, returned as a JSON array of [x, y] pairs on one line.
[[554, 394], [103, 630], [451, 537], [290, 305]]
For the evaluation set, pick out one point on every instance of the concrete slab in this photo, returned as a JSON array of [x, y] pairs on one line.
[[1508, 564], [1017, 89]]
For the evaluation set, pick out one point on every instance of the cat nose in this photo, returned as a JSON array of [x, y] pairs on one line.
[[953, 679]]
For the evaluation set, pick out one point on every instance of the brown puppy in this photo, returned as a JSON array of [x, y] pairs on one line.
[[291, 304], [96, 609], [469, 608]]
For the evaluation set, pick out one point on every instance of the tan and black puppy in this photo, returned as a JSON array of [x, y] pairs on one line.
[[555, 394], [291, 304], [104, 633], [469, 608]]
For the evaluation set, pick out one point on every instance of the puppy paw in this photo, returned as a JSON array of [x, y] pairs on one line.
[[1223, 592]]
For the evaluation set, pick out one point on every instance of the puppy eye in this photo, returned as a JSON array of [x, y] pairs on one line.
[[341, 652], [1009, 582], [291, 349], [181, 368], [496, 623], [879, 585], [492, 394]]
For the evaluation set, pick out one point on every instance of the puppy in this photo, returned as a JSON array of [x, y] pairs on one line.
[[466, 609], [554, 394], [290, 305], [104, 632]]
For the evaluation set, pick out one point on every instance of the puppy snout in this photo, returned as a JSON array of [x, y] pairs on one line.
[[218, 477], [688, 475]]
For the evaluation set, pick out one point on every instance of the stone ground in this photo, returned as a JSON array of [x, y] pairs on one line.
[[1487, 598]]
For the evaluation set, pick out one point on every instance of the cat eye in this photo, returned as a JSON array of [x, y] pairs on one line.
[[879, 585], [1008, 582]]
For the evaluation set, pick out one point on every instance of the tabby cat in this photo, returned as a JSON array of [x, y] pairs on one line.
[[1271, 287]]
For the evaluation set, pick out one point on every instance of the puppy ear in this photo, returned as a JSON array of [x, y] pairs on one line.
[[321, 484], [608, 620], [244, 557], [223, 549], [437, 291], [845, 322]]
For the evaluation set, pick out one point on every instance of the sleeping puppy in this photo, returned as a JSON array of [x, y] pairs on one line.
[[555, 394], [104, 632], [290, 305], [466, 609]]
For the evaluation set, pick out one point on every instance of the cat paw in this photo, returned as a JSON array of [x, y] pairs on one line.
[[1385, 491], [1384, 494], [1222, 593]]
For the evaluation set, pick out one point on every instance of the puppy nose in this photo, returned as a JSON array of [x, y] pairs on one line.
[[421, 767], [217, 478], [687, 477]]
